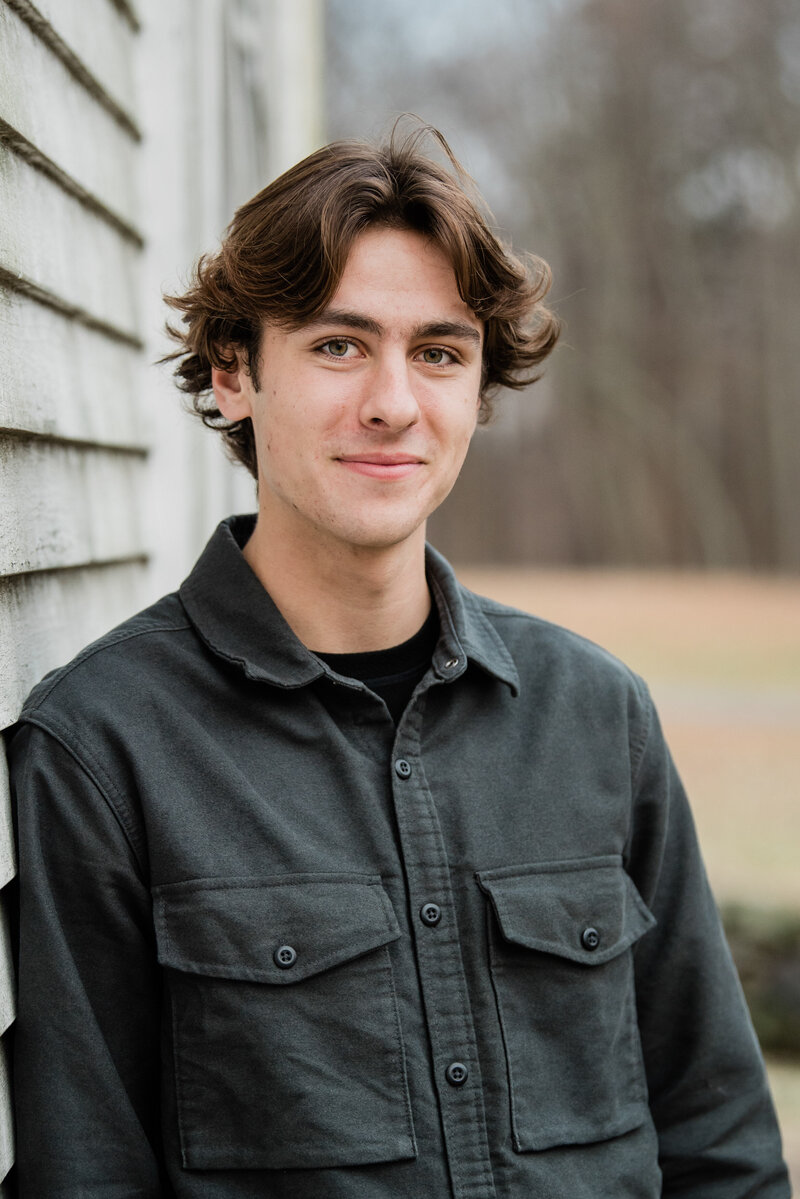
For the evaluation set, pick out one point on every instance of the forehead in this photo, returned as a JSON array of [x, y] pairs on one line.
[[401, 271]]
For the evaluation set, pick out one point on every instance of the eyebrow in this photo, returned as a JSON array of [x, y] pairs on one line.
[[356, 320]]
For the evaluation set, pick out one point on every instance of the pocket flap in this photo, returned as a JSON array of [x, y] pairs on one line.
[[587, 910], [234, 928]]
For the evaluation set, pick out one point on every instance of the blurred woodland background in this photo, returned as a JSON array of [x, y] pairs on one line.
[[650, 152]]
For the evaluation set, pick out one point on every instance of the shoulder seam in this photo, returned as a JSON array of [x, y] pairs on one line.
[[107, 642], [93, 770]]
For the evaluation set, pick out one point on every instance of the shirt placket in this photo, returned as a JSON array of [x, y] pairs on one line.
[[448, 1015]]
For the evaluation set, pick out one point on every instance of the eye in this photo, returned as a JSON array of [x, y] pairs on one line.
[[338, 347], [437, 356]]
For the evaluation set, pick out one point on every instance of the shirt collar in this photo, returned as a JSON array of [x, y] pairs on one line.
[[466, 633], [236, 618]]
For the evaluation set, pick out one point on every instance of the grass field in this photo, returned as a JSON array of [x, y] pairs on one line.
[[722, 656]]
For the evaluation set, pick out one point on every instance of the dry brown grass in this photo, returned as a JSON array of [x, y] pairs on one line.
[[722, 656], [676, 625]]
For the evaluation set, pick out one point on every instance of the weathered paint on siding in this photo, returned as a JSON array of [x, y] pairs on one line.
[[46, 618], [57, 380], [66, 505], [47, 105], [52, 239], [72, 454], [100, 35], [98, 464]]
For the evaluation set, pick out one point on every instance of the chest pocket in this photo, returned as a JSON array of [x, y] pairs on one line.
[[287, 1045], [560, 938]]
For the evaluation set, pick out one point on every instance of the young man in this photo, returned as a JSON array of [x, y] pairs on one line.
[[336, 879]]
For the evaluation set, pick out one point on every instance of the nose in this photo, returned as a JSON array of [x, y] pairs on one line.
[[390, 401]]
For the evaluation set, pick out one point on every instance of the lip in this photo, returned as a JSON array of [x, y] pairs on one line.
[[381, 466]]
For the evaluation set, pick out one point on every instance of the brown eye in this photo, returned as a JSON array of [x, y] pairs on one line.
[[337, 348]]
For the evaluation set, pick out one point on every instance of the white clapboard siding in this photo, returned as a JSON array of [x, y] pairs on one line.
[[52, 239], [72, 461], [66, 380], [102, 38], [64, 505], [43, 101], [52, 616], [213, 82]]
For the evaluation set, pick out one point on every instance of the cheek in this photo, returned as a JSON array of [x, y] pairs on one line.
[[470, 423], [457, 439], [274, 450]]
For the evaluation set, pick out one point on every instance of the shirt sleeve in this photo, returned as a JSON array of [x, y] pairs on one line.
[[709, 1097], [87, 1035]]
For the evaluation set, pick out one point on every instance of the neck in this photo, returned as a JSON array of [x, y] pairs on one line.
[[344, 599]]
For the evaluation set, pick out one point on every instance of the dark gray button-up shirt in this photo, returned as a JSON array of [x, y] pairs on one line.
[[272, 945]]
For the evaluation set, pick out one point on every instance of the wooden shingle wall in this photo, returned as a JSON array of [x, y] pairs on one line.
[[72, 454]]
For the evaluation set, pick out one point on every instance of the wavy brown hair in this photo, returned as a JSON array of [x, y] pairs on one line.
[[285, 251]]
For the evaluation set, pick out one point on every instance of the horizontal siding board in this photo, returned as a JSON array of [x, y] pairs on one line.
[[68, 125], [72, 462], [130, 10], [54, 241], [8, 858], [45, 619], [64, 380], [63, 506], [13, 140], [102, 38]]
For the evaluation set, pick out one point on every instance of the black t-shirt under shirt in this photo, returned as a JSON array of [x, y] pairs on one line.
[[391, 673]]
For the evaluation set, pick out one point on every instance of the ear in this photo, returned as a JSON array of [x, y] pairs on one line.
[[233, 391]]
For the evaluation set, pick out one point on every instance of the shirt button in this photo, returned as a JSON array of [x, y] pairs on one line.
[[456, 1074], [284, 956], [402, 768], [450, 663], [590, 938], [430, 913]]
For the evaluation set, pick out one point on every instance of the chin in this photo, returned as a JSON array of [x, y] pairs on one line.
[[382, 537], [372, 526]]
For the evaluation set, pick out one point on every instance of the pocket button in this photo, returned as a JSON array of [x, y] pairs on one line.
[[590, 938], [284, 956]]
